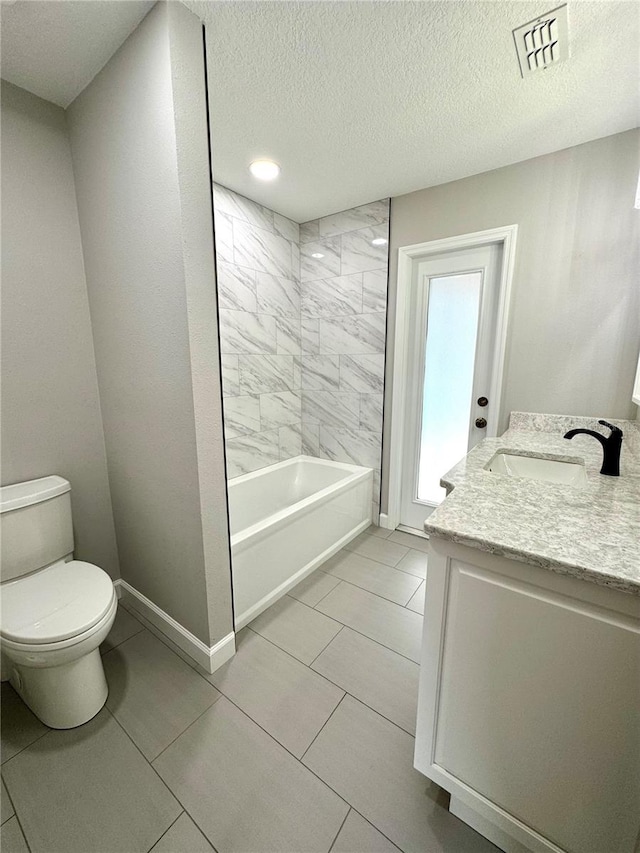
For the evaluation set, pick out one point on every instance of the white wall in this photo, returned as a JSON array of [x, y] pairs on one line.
[[575, 320], [51, 421], [139, 142]]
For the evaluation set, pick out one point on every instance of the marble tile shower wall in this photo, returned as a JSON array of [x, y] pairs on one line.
[[343, 303], [258, 269], [302, 338]]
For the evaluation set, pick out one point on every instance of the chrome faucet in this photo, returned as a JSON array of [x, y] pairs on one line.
[[611, 446]]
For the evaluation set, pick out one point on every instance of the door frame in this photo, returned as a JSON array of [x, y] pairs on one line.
[[506, 236]]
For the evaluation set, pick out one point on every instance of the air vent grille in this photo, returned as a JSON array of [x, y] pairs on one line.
[[542, 42]]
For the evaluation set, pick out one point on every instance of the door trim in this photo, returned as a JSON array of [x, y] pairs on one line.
[[506, 236]]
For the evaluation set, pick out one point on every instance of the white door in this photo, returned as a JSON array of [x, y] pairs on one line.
[[453, 308]]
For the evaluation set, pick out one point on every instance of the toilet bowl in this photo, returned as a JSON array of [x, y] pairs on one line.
[[52, 623]]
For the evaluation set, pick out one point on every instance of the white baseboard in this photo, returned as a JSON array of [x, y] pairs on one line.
[[209, 658]]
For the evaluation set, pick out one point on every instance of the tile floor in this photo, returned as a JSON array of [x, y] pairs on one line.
[[302, 742]]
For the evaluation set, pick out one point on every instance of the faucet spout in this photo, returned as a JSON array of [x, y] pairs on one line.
[[611, 446]]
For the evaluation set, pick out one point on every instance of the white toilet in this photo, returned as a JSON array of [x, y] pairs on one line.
[[55, 610]]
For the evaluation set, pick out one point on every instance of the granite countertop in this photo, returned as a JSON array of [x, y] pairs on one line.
[[590, 532]]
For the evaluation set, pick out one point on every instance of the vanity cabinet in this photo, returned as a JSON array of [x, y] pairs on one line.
[[529, 703]]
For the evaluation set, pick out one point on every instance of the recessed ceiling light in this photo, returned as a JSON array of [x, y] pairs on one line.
[[264, 170], [379, 241], [317, 255]]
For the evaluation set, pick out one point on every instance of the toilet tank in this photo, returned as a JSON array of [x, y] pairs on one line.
[[35, 525]]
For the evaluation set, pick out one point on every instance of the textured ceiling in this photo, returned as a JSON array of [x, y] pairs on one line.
[[362, 100], [56, 47]]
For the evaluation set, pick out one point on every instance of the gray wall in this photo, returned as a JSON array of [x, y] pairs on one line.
[[140, 154], [575, 312], [51, 420]]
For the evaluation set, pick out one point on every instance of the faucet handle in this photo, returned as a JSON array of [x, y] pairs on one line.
[[612, 427]]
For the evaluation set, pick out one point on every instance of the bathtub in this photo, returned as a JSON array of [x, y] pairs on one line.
[[286, 520]]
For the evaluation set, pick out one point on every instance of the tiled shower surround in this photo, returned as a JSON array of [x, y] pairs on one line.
[[302, 338]]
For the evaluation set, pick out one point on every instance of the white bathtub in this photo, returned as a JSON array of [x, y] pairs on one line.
[[286, 520]]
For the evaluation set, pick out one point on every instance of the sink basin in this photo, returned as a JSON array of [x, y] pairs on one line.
[[538, 468]]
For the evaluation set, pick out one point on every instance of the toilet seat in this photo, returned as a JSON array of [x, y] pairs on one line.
[[56, 606]]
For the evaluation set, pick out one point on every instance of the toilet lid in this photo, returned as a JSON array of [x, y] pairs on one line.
[[55, 603]]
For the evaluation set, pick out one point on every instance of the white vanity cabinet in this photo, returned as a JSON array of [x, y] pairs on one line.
[[529, 703]]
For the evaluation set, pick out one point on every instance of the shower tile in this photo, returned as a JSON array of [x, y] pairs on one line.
[[297, 373], [242, 415], [364, 373], [331, 408], [243, 332], [327, 266], [251, 452], [377, 676], [350, 445], [286, 228], [310, 231], [313, 588], [280, 694], [289, 441], [230, 375], [361, 333], [236, 288], [295, 261], [374, 291], [239, 207], [245, 791], [390, 624], [328, 297], [310, 439], [277, 295], [375, 577], [288, 336], [358, 255], [89, 788], [279, 409], [261, 250], [296, 628], [310, 335], [371, 412], [223, 231], [320, 372], [264, 374], [364, 216]]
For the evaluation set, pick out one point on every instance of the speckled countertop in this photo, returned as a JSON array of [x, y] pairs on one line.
[[590, 532]]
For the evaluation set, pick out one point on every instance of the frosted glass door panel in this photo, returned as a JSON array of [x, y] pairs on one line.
[[450, 349]]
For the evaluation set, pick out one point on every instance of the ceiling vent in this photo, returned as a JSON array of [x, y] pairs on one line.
[[543, 42]]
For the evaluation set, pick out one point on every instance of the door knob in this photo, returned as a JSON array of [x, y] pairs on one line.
[[481, 423], [482, 401]]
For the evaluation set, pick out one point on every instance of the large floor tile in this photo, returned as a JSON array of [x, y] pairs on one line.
[[19, 726], [358, 836], [376, 577], [395, 627], [374, 530], [410, 540], [369, 762], [382, 550], [183, 837], [296, 628], [88, 790], [11, 838], [415, 563], [124, 626], [417, 600], [313, 588], [245, 791], [152, 693], [382, 679], [278, 692], [6, 808]]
